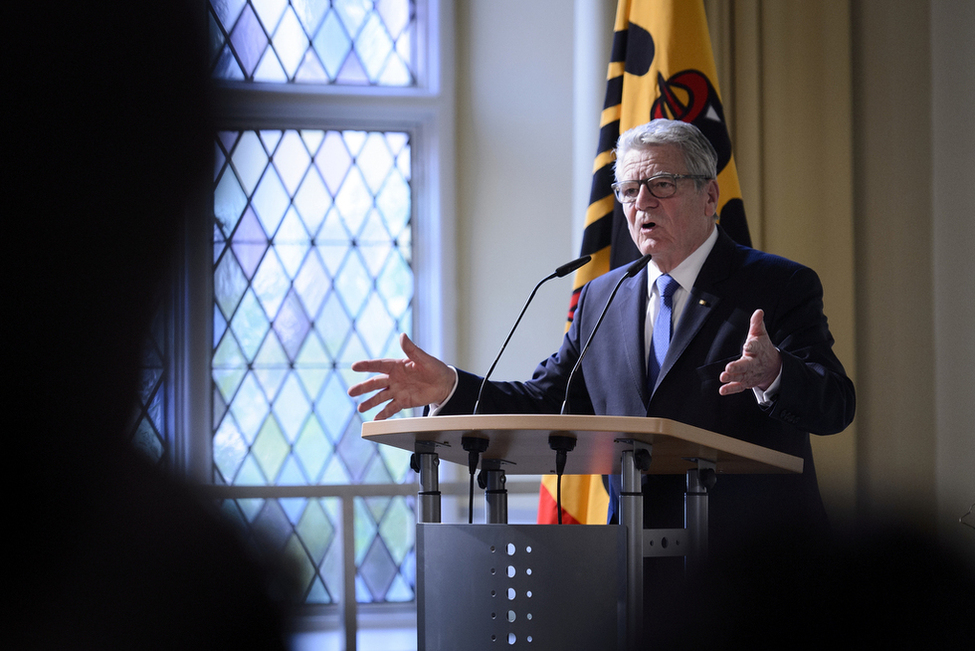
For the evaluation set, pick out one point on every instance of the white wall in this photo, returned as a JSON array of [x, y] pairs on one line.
[[514, 201]]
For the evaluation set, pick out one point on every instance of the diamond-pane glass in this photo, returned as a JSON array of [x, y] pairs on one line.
[[384, 549], [307, 532], [148, 430], [312, 271], [304, 284], [337, 42]]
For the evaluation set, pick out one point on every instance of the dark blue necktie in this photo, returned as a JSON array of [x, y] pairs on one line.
[[662, 328]]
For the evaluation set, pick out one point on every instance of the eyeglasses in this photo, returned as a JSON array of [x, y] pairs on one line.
[[660, 186]]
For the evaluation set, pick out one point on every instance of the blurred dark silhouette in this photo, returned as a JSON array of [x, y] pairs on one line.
[[108, 143], [882, 586]]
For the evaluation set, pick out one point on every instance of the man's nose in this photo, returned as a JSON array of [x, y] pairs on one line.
[[646, 199]]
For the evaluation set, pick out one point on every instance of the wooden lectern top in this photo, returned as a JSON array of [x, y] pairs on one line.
[[521, 442]]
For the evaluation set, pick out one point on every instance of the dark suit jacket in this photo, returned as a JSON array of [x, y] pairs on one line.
[[816, 396]]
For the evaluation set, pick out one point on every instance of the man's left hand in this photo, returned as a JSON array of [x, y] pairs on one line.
[[758, 365]]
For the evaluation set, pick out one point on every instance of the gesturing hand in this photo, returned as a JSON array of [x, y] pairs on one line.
[[758, 365], [416, 381]]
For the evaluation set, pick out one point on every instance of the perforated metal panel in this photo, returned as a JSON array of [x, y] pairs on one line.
[[497, 586]]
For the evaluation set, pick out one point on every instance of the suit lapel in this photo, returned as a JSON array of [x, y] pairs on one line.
[[630, 313], [701, 302]]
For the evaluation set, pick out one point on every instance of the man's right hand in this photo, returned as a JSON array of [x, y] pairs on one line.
[[416, 381]]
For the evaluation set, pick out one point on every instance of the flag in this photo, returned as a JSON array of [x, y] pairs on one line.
[[661, 66]]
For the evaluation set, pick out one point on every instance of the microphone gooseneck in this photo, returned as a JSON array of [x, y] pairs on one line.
[[561, 272], [631, 271]]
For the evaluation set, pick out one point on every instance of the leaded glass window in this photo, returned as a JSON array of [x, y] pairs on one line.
[[308, 531], [150, 431], [343, 42], [311, 271]]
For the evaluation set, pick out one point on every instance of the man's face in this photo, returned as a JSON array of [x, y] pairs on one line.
[[669, 229]]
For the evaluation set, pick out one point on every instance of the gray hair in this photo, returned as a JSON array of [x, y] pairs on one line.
[[699, 155]]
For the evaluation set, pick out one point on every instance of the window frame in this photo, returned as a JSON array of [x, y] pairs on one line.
[[426, 112]]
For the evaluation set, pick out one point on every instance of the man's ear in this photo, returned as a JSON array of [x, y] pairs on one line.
[[712, 203]]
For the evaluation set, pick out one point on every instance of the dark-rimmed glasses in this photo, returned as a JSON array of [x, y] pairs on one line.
[[661, 186]]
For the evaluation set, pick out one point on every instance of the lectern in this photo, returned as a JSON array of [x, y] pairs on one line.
[[496, 585]]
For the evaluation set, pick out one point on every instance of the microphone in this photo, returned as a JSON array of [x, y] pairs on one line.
[[631, 271], [562, 271], [470, 445]]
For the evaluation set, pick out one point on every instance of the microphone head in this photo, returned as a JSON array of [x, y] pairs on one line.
[[635, 268], [569, 267]]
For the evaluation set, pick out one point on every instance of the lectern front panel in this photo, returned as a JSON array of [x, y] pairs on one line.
[[520, 586]]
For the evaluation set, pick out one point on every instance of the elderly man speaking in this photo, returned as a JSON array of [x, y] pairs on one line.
[[709, 333]]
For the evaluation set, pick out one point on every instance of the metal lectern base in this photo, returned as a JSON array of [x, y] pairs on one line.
[[496, 586], [585, 586]]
